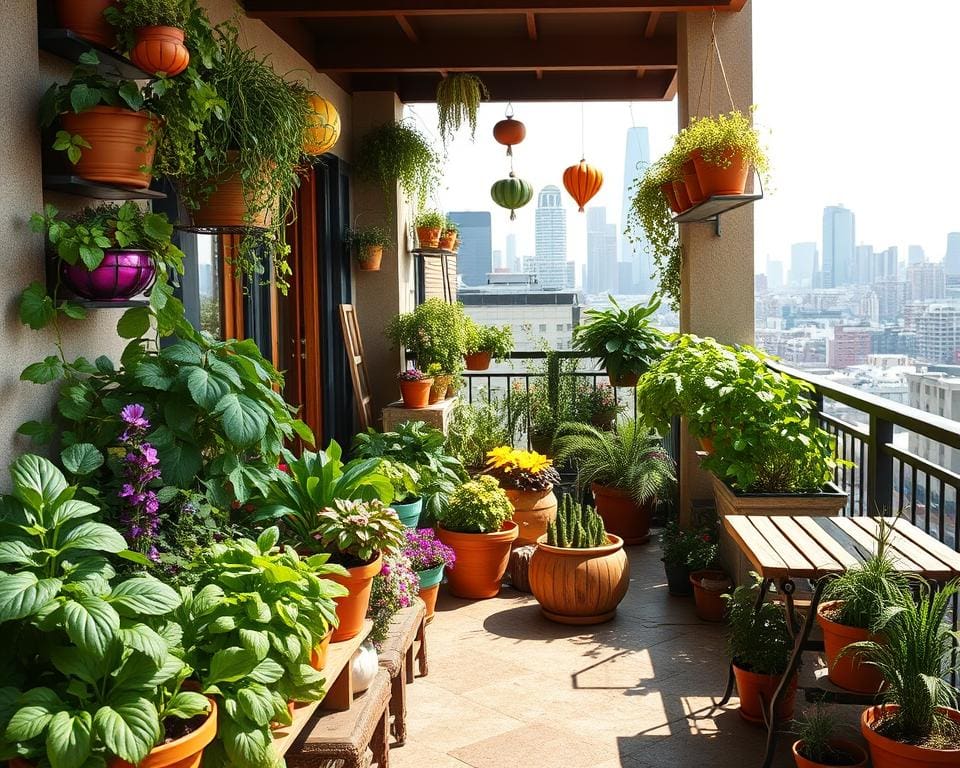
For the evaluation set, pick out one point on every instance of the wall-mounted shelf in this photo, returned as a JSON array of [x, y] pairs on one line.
[[710, 210], [225, 230], [74, 185], [125, 304], [433, 252], [70, 46]]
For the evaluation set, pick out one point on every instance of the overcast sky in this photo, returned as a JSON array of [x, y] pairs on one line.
[[861, 101]]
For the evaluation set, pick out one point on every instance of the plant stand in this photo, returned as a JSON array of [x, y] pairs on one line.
[[436, 415]]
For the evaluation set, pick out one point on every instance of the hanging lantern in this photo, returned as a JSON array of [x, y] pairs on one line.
[[582, 181], [509, 131], [511, 193], [323, 132]]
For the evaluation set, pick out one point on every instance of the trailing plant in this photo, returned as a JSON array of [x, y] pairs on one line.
[[361, 240], [392, 590], [577, 526], [475, 429], [719, 137], [434, 332], [458, 99], [495, 339], [622, 340], [356, 532], [759, 640], [521, 470], [399, 153], [477, 506], [423, 550], [430, 219]]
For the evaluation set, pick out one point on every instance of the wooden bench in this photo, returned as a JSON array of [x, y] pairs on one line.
[[406, 640]]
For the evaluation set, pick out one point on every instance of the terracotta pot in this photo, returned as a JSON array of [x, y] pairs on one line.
[[275, 725], [352, 607], [710, 604], [847, 671], [318, 656], [122, 274], [621, 515], [370, 258], [532, 512], [887, 753], [120, 145], [579, 586], [185, 752], [85, 17], [409, 513], [227, 205], [756, 692], [671, 197], [706, 444], [683, 199], [478, 361], [416, 394], [678, 580], [719, 180], [428, 237], [692, 183], [441, 382], [624, 379], [452, 388], [855, 751], [429, 586], [448, 240], [160, 51], [481, 560]]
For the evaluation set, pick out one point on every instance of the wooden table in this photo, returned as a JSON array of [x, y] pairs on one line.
[[784, 548]]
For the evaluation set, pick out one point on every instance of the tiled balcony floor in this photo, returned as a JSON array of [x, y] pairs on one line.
[[508, 688]]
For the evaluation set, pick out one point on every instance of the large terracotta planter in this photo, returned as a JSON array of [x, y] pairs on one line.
[[481, 560], [122, 274], [533, 511], [121, 145], [416, 394], [708, 589], [227, 205], [579, 586], [621, 515], [887, 753], [160, 51], [756, 692], [370, 258], [318, 656], [855, 751], [429, 586], [352, 607], [428, 237], [409, 513], [719, 180], [85, 17], [692, 183], [478, 361], [671, 197], [683, 199], [185, 752], [847, 671]]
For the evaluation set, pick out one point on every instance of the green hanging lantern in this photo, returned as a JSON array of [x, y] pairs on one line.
[[511, 193]]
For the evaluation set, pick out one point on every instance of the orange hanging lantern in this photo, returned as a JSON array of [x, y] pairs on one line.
[[323, 130], [582, 181], [509, 131]]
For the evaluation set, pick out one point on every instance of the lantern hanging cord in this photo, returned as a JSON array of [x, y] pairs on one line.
[[583, 142]]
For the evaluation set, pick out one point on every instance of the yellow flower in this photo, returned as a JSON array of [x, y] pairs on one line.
[[500, 458], [507, 460]]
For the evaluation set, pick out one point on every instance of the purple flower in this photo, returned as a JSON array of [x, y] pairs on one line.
[[133, 416], [139, 469]]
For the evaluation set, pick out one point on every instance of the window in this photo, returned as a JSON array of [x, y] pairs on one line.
[[209, 285]]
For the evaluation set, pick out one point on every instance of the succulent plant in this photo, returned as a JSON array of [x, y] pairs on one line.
[[577, 526]]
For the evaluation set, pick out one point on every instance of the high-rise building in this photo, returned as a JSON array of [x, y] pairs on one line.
[[927, 282], [513, 261], [939, 394], [803, 265], [849, 346], [839, 236], [636, 160], [885, 264], [550, 259], [951, 260], [891, 297], [774, 274], [938, 333], [497, 261], [915, 255], [602, 274], [863, 274], [475, 258]]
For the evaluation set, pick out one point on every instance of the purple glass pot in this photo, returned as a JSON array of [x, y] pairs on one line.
[[122, 274]]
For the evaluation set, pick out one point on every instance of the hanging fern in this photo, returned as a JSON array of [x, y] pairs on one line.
[[398, 152], [458, 99]]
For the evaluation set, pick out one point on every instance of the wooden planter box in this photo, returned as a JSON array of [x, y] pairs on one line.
[[826, 504]]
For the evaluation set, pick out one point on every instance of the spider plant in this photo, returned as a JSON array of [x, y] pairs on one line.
[[458, 99], [817, 733]]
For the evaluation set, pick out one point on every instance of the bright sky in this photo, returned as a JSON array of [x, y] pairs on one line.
[[860, 99]]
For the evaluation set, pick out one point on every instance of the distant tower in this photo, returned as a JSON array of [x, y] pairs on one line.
[[602, 270], [550, 259], [513, 262], [636, 160], [915, 255], [951, 261], [803, 265], [475, 258], [839, 236]]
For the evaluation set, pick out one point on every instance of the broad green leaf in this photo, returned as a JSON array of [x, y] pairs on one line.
[[246, 747], [266, 672], [256, 641], [35, 709], [144, 639], [73, 662], [91, 623], [268, 539], [68, 739], [256, 703], [152, 375], [128, 730], [230, 665], [13, 552], [181, 462], [205, 388], [95, 536], [36, 480], [134, 323], [36, 307], [81, 458], [185, 352], [40, 432], [83, 97], [144, 595], [243, 422], [187, 704], [23, 594], [47, 370], [72, 509]]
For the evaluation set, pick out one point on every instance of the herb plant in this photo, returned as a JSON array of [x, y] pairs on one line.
[[430, 219], [816, 731], [497, 340], [130, 15], [361, 240], [758, 641], [358, 532], [399, 153], [458, 99], [475, 429], [477, 506], [622, 340], [404, 479], [695, 549]]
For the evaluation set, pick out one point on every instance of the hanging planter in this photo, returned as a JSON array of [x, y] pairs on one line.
[[160, 51], [509, 132], [458, 99], [511, 193], [367, 245], [324, 128], [85, 17], [230, 204], [123, 274], [582, 181]]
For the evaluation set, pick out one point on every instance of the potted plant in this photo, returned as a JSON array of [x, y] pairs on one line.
[[153, 33], [683, 549], [476, 524], [760, 645], [622, 340], [475, 429], [429, 225], [393, 589], [817, 744], [415, 388], [368, 245], [485, 342], [407, 502], [710, 583], [87, 18], [398, 153], [627, 470], [449, 236], [434, 332], [458, 99], [918, 724], [579, 573], [441, 382], [723, 150], [428, 557], [528, 479], [602, 406]]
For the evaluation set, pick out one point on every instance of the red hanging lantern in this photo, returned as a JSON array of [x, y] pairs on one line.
[[509, 131], [582, 181]]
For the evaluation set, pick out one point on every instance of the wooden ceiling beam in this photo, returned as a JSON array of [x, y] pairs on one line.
[[407, 28], [264, 9], [532, 26], [651, 29]]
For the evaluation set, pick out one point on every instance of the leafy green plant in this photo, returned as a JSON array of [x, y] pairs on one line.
[[622, 340], [577, 526], [356, 532], [476, 428], [458, 99], [477, 506], [404, 479], [759, 640], [816, 731], [719, 137], [399, 153], [696, 549], [435, 332], [431, 219], [495, 339], [130, 15], [361, 240], [451, 227]]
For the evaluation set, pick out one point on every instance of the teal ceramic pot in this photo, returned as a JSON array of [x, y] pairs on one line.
[[430, 577], [409, 514]]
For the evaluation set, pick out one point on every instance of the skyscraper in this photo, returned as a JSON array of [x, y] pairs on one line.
[[839, 236], [550, 258], [915, 255], [926, 281], [774, 274], [475, 259], [513, 261], [885, 265], [635, 162], [951, 261], [602, 274], [803, 265]]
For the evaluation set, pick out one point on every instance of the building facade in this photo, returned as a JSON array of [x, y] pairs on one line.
[[804, 265], [850, 345], [938, 333], [601, 271], [839, 236], [927, 282], [636, 254], [550, 257], [938, 394], [475, 258]]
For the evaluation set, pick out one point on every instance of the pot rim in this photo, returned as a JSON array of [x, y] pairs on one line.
[[615, 545], [205, 733], [870, 715], [843, 630], [796, 675], [608, 490], [361, 572], [520, 491], [508, 532], [164, 29], [144, 114], [845, 744]]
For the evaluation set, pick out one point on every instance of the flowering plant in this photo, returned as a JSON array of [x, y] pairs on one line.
[[412, 374], [602, 400], [424, 550], [393, 589], [521, 470], [359, 530], [139, 469]]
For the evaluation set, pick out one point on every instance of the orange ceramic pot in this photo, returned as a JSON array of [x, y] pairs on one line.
[[533, 511], [352, 607], [720, 180], [85, 17], [887, 753], [185, 752], [710, 605], [428, 237], [691, 182], [847, 671], [756, 692], [448, 240], [671, 196], [706, 444], [371, 258], [478, 361], [160, 51], [579, 586], [416, 394], [481, 560], [855, 751], [121, 145], [621, 515], [683, 199], [429, 587], [318, 656], [227, 205]]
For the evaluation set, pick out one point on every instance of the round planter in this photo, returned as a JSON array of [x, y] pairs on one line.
[[352, 607], [533, 511], [579, 586], [227, 205], [122, 274], [478, 361], [624, 379], [429, 586], [622, 515], [756, 692], [409, 513], [318, 656], [481, 560], [691, 183], [428, 237], [678, 580], [855, 751], [670, 196], [121, 145], [710, 604], [160, 51], [441, 383], [370, 258], [887, 753], [719, 180], [847, 671], [416, 394], [85, 17], [185, 752], [364, 666], [448, 241], [683, 199]]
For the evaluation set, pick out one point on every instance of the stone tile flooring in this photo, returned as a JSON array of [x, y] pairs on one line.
[[507, 688]]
